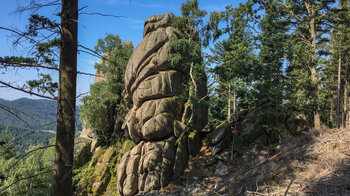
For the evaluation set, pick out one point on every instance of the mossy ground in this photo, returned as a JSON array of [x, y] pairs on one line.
[[98, 177]]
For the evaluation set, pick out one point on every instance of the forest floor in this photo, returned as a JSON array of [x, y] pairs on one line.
[[313, 163]]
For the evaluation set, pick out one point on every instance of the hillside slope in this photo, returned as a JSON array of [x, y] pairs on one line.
[[315, 163], [40, 114]]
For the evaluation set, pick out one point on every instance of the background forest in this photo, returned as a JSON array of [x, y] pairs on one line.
[[280, 66]]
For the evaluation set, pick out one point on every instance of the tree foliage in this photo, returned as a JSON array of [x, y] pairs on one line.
[[30, 175], [103, 109]]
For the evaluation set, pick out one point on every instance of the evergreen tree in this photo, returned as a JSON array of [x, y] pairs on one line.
[[310, 22], [185, 50], [104, 109], [234, 57], [340, 60], [27, 175]]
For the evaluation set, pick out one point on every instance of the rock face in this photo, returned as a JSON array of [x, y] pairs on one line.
[[156, 121]]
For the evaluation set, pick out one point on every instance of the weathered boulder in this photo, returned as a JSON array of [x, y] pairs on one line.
[[90, 134], [82, 153], [221, 137], [296, 123], [157, 121]]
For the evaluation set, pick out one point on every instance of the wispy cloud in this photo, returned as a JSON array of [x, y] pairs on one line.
[[117, 2], [153, 5], [135, 23], [134, 3]]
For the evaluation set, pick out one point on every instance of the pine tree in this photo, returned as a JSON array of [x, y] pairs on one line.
[[104, 108], [310, 24], [340, 51], [233, 56]]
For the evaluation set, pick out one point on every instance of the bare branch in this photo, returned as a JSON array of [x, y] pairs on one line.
[[28, 65], [34, 6], [17, 139], [9, 109], [100, 14], [26, 178], [88, 74], [26, 154], [90, 50], [29, 92], [18, 33], [42, 66], [290, 183], [81, 94]]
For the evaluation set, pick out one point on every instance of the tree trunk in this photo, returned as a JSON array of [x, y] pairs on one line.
[[316, 113], [338, 94], [234, 103], [229, 104], [313, 70], [331, 110], [345, 105], [63, 165]]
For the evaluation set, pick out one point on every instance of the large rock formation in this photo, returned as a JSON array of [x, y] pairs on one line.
[[156, 121]]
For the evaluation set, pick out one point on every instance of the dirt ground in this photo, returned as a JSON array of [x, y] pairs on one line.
[[313, 163]]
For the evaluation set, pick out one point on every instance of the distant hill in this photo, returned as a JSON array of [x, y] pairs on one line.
[[24, 138], [36, 114]]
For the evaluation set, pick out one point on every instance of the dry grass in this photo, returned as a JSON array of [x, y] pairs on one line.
[[316, 163]]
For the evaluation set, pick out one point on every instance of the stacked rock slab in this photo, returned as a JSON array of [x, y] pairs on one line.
[[157, 92]]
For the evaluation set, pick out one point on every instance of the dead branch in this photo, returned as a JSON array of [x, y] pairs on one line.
[[291, 181], [100, 14], [35, 6], [90, 50], [18, 33], [28, 65], [26, 154], [26, 178], [30, 132], [42, 66], [26, 91], [9, 109], [257, 193], [81, 94]]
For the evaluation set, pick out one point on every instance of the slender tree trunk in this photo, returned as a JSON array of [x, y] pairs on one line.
[[229, 104], [338, 94], [234, 102], [63, 165], [331, 110], [345, 105]]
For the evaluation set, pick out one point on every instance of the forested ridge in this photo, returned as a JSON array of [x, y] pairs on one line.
[[35, 114], [24, 138], [267, 121]]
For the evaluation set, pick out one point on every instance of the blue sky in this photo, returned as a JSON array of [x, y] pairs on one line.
[[91, 28]]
